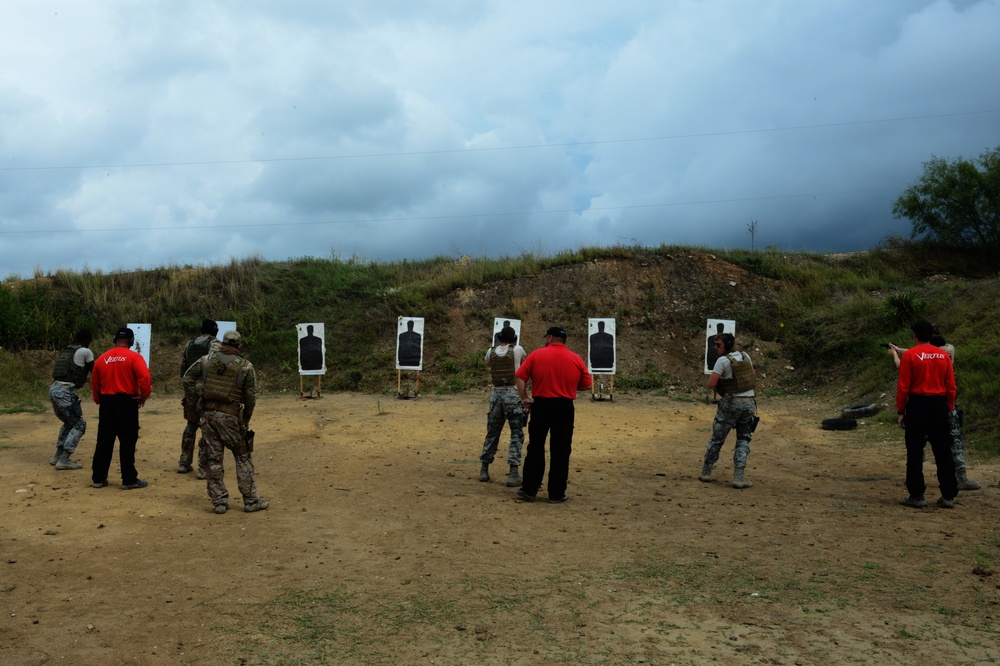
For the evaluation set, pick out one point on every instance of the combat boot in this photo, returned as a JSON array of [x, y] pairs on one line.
[[202, 475], [964, 482], [738, 480], [55, 456], [258, 504], [513, 478], [484, 472], [706, 473], [65, 463]]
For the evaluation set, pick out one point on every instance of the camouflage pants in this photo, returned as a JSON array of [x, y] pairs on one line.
[[187, 446], [732, 413], [220, 432], [957, 441], [505, 407], [66, 404]]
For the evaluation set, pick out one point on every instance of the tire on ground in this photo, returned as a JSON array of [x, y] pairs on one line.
[[839, 424], [859, 411]]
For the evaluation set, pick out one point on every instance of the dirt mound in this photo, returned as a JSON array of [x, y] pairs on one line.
[[662, 301]]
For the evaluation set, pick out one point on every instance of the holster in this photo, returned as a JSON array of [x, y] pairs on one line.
[[248, 440]]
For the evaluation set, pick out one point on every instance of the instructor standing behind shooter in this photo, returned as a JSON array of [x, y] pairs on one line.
[[120, 384], [925, 393], [230, 395], [556, 374]]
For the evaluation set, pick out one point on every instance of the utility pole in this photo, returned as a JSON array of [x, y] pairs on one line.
[[752, 228]]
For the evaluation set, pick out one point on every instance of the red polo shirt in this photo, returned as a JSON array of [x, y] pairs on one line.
[[925, 370], [120, 370], [555, 372]]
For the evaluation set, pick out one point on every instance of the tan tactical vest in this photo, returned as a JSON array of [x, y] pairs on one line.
[[502, 367], [743, 378], [223, 383]]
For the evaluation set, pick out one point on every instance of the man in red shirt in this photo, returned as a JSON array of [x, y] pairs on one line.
[[120, 383], [925, 394], [556, 374]]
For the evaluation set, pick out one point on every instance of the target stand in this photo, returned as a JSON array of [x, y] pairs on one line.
[[313, 394], [407, 394], [598, 389]]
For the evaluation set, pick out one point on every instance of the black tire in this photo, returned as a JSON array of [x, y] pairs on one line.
[[839, 424], [859, 411]]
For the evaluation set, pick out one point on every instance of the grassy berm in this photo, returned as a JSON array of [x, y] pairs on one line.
[[812, 322]]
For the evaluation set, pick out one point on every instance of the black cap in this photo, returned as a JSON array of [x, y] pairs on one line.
[[124, 333], [556, 331], [923, 329]]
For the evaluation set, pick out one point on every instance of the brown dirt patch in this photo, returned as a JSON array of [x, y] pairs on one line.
[[381, 546]]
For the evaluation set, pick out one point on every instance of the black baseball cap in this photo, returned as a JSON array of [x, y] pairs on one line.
[[923, 329], [556, 331], [124, 333]]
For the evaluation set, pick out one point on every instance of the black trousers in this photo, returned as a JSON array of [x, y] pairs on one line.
[[551, 417], [927, 418], [118, 418]]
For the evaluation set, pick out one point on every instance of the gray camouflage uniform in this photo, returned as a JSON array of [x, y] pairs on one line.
[[505, 407], [735, 410], [70, 373], [67, 407]]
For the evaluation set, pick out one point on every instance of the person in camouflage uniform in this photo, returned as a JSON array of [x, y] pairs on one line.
[[733, 378], [68, 375], [229, 395], [193, 351], [505, 406]]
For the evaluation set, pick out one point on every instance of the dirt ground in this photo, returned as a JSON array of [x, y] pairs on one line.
[[381, 545]]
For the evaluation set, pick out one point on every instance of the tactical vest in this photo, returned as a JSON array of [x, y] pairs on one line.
[[502, 367], [223, 383], [197, 348], [66, 370], [743, 378]]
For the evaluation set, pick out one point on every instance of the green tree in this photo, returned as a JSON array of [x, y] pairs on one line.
[[956, 202]]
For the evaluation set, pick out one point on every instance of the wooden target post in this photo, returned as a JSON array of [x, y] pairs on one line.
[[597, 390], [313, 393], [399, 386]]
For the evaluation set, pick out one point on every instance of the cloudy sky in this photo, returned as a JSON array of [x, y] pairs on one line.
[[172, 132]]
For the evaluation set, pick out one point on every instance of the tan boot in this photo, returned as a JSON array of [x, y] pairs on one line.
[[964, 482], [738, 480], [513, 478], [706, 473], [65, 463]]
